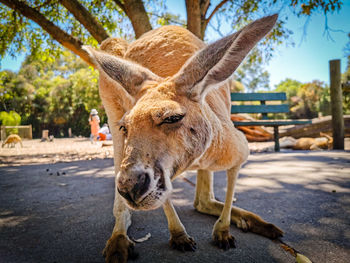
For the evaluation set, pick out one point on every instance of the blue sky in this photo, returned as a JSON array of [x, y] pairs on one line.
[[309, 58], [306, 61]]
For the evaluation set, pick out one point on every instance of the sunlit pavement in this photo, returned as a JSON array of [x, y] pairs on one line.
[[63, 212]]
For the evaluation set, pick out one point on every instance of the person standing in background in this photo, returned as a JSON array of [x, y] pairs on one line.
[[94, 122]]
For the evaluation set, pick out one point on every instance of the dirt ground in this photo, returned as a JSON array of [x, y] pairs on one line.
[[75, 149], [60, 150]]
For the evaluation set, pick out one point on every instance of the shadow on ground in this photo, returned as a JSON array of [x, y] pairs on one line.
[[46, 217]]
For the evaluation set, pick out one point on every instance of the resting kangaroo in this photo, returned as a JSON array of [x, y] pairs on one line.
[[170, 113]]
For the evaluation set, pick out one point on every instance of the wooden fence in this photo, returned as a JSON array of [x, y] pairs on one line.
[[24, 131]]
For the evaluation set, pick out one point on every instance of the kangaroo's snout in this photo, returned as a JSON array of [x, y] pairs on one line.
[[142, 187], [135, 186]]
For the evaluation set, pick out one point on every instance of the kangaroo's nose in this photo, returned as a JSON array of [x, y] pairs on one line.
[[141, 186], [135, 192]]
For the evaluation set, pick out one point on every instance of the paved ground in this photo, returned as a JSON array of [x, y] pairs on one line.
[[67, 218]]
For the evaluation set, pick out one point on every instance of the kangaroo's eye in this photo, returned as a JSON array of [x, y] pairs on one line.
[[123, 129], [173, 119]]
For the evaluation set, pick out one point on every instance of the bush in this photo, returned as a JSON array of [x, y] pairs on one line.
[[11, 118], [306, 100]]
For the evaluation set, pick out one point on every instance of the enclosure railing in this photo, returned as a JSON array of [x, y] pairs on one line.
[[24, 131]]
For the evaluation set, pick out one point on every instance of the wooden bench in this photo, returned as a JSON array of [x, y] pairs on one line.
[[264, 109]]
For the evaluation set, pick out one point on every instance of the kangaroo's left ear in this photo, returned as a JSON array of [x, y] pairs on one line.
[[129, 75], [215, 63]]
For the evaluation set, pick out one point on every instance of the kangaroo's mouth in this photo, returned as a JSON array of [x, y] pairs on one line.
[[153, 199], [148, 189], [161, 184]]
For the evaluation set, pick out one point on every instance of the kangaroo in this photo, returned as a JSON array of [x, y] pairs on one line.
[[11, 140], [168, 107], [324, 142]]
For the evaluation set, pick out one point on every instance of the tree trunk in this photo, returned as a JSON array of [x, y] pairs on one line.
[[197, 20], [136, 12], [194, 17], [55, 32], [336, 104], [86, 19], [204, 5]]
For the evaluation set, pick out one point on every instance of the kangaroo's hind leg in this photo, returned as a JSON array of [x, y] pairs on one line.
[[248, 221]]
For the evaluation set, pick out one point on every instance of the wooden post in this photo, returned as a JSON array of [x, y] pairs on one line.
[[45, 135], [276, 138], [337, 104], [3, 133], [30, 132]]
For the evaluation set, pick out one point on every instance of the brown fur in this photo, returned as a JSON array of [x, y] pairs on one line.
[[114, 46], [164, 50], [12, 140], [168, 109], [324, 142]]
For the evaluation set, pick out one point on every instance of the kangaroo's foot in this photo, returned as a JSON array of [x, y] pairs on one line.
[[248, 221], [118, 249], [183, 242], [179, 239], [223, 239]]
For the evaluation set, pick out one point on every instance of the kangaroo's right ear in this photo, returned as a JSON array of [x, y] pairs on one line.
[[215, 63], [130, 76]]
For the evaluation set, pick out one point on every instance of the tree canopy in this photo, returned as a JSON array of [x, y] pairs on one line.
[[306, 100], [346, 80], [55, 96], [37, 26], [54, 90]]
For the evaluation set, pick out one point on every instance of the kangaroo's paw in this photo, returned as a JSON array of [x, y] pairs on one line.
[[255, 224], [223, 239], [182, 241], [118, 249]]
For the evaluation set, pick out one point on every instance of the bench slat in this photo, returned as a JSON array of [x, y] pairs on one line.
[[260, 108], [258, 96], [271, 122]]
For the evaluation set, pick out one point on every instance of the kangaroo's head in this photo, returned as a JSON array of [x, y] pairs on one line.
[[165, 128]]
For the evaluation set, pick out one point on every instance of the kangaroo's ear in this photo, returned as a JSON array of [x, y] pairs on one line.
[[217, 62], [130, 76]]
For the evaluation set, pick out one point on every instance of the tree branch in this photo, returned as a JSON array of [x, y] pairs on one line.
[[86, 19], [215, 10], [55, 32], [122, 7], [217, 28], [136, 12], [43, 4], [204, 7]]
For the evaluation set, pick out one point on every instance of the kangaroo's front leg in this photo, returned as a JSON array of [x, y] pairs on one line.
[[119, 247], [221, 231], [179, 239]]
